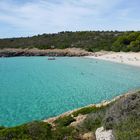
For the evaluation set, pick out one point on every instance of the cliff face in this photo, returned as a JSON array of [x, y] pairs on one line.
[[113, 120]]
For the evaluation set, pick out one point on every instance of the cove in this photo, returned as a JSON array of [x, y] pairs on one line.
[[34, 88]]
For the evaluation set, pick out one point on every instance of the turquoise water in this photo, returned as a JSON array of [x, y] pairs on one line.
[[33, 88]]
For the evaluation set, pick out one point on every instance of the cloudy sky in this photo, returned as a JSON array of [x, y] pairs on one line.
[[30, 17]]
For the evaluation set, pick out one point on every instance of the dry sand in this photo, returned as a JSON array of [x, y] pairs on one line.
[[130, 58]]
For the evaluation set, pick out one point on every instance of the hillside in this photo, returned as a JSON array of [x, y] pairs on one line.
[[87, 40], [119, 117]]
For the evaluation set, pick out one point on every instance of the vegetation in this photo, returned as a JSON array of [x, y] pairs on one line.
[[122, 116], [92, 121], [127, 42], [34, 130], [64, 121], [2, 127], [88, 40], [128, 129], [87, 110]]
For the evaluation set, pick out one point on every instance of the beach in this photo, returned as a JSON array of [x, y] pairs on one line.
[[130, 58]]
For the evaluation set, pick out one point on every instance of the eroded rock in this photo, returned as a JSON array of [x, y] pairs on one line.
[[102, 134]]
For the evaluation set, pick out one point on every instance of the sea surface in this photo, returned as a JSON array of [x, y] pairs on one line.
[[35, 88]]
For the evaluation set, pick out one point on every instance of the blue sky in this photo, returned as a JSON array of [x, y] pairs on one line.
[[31, 17]]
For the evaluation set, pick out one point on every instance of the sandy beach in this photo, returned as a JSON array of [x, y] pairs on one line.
[[130, 58]]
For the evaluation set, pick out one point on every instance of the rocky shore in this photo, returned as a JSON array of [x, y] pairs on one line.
[[103, 103], [117, 119], [126, 101], [11, 52]]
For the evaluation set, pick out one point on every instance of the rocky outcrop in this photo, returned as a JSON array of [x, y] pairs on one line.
[[103, 103], [48, 52], [88, 136], [80, 118], [102, 134], [122, 109], [113, 121]]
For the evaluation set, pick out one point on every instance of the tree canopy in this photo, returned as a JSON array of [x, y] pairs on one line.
[[88, 40]]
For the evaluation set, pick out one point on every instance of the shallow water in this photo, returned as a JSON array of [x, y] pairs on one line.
[[34, 88]]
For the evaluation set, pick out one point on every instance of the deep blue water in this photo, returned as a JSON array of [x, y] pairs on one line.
[[34, 88]]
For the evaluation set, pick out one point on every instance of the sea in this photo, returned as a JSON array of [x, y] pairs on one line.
[[35, 88]]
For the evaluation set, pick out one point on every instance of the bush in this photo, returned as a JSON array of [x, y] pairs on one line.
[[64, 133], [2, 127], [64, 121], [127, 42], [92, 121], [128, 129], [39, 130], [121, 110], [31, 131], [87, 110], [90, 50]]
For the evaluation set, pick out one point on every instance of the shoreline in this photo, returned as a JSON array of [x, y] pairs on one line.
[[129, 58], [108, 122], [102, 103], [71, 52]]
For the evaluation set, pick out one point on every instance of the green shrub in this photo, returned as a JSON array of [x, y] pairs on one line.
[[62, 133], [121, 110], [2, 127], [14, 133], [89, 49], [90, 124], [31, 131], [92, 121], [39, 130], [64, 121], [128, 129], [87, 110], [129, 41]]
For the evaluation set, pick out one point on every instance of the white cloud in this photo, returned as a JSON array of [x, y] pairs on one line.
[[47, 16]]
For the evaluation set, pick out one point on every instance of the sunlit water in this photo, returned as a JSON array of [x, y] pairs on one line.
[[34, 88]]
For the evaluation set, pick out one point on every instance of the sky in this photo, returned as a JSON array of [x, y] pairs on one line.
[[31, 17]]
